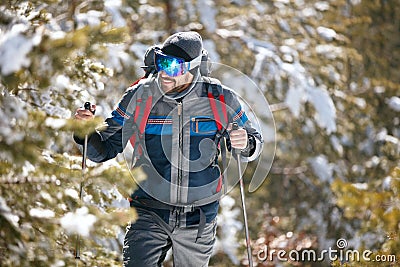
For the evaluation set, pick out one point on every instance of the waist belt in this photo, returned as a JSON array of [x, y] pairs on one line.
[[150, 203]]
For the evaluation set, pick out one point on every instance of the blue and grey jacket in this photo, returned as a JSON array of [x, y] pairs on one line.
[[180, 151]]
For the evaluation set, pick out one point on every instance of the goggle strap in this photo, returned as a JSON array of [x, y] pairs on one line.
[[194, 63]]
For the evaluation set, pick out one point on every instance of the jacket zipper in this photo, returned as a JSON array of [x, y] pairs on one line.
[[180, 155]]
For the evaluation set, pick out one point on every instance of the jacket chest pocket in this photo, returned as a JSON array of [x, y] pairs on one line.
[[203, 126]]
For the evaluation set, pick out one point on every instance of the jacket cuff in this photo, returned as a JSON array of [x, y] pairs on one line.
[[255, 151], [251, 146], [94, 139], [78, 140]]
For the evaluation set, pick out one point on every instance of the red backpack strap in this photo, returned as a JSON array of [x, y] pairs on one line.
[[144, 101], [142, 111], [137, 81], [216, 97]]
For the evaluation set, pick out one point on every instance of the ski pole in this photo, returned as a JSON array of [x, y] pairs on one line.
[[87, 106], [246, 225]]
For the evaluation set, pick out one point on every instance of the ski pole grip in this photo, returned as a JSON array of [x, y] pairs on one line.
[[235, 126], [88, 106]]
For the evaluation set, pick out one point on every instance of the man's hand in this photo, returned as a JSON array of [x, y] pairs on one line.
[[85, 114], [238, 137]]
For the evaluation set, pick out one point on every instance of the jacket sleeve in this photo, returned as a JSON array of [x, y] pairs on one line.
[[110, 139], [237, 114]]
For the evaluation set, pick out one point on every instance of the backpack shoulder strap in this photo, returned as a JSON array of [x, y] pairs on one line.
[[144, 101], [216, 97], [143, 105], [215, 94]]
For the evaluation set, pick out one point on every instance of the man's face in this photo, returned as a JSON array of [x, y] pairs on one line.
[[175, 84]]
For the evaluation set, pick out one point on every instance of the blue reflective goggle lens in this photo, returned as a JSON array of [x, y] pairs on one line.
[[173, 66]]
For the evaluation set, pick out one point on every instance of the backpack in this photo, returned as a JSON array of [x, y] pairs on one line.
[[142, 111], [214, 91], [215, 95]]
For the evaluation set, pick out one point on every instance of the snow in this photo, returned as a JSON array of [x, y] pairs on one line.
[[207, 12], [118, 200], [58, 263], [301, 89], [55, 123], [211, 48], [63, 83], [228, 227], [360, 186], [14, 49], [80, 221], [41, 213], [387, 183], [325, 109], [329, 51], [394, 103], [14, 110], [301, 85], [118, 59], [5, 211], [294, 99], [326, 33], [260, 8], [27, 169], [91, 18], [57, 111], [322, 6], [322, 168], [355, 2], [147, 10], [284, 25], [308, 12], [225, 34], [54, 35], [72, 193], [335, 142], [112, 6]]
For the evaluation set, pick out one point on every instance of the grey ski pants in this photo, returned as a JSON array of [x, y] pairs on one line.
[[148, 239]]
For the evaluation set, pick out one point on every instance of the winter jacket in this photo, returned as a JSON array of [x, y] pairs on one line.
[[180, 155]]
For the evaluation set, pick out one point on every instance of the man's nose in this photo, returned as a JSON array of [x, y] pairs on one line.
[[164, 75]]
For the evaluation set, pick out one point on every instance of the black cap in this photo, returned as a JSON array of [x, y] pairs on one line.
[[186, 45]]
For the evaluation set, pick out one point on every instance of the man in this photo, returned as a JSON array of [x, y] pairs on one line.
[[178, 202]]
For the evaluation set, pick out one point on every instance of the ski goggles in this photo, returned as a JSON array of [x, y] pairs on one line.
[[174, 66]]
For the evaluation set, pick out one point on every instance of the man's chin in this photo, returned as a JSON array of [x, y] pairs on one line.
[[166, 88]]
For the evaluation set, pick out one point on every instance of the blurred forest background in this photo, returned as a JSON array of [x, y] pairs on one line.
[[329, 69]]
